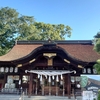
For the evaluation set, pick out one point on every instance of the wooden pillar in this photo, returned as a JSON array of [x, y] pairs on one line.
[[56, 88], [30, 85], [36, 86], [63, 86], [69, 85], [42, 85], [49, 88], [5, 80], [21, 76]]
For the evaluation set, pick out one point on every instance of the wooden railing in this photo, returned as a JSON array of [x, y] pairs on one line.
[[53, 90]]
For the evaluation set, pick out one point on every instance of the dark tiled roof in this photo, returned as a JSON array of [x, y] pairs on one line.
[[18, 51], [97, 82], [81, 50]]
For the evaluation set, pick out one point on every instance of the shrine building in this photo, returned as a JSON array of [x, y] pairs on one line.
[[47, 67]]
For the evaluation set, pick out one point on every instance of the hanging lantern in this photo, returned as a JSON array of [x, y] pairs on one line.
[[53, 77], [6, 69], [2, 69], [57, 79], [78, 85], [11, 69], [72, 79], [49, 79], [16, 69], [19, 82], [61, 77]]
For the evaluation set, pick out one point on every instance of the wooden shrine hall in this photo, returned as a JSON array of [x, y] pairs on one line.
[[47, 67]]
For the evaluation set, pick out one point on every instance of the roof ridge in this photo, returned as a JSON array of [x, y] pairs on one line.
[[55, 41]]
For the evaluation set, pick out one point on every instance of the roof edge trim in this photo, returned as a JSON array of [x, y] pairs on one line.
[[56, 41]]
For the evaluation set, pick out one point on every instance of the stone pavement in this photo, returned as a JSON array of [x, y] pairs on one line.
[[51, 98], [9, 97], [17, 97]]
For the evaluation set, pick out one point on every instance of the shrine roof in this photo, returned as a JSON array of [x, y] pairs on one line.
[[78, 49]]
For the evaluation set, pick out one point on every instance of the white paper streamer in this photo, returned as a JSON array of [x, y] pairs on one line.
[[38, 76], [46, 76], [41, 78], [61, 77], [49, 79], [53, 77]]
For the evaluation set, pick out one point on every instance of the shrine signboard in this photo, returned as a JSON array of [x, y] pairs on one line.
[[87, 95]]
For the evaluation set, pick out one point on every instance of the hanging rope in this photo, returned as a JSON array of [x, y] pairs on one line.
[[50, 72]]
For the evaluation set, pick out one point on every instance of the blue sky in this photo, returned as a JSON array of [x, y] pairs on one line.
[[83, 16], [95, 77]]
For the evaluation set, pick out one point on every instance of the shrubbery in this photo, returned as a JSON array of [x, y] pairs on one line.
[[98, 98]]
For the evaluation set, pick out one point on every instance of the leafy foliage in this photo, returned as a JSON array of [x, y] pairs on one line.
[[54, 32], [98, 98], [97, 66], [97, 42], [10, 23], [14, 26], [97, 48]]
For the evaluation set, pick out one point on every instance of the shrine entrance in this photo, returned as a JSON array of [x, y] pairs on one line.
[[51, 82], [50, 67]]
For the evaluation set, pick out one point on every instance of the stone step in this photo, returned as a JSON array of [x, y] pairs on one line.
[[18, 97]]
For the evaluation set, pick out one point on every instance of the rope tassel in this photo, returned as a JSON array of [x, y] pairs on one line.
[[41, 78]]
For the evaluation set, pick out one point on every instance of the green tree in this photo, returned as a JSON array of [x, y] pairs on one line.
[[97, 66], [10, 23], [43, 31], [97, 42], [97, 48], [14, 26], [98, 97], [54, 32]]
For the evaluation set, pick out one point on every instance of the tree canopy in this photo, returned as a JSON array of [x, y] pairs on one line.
[[15, 26], [10, 27], [97, 42], [97, 48]]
